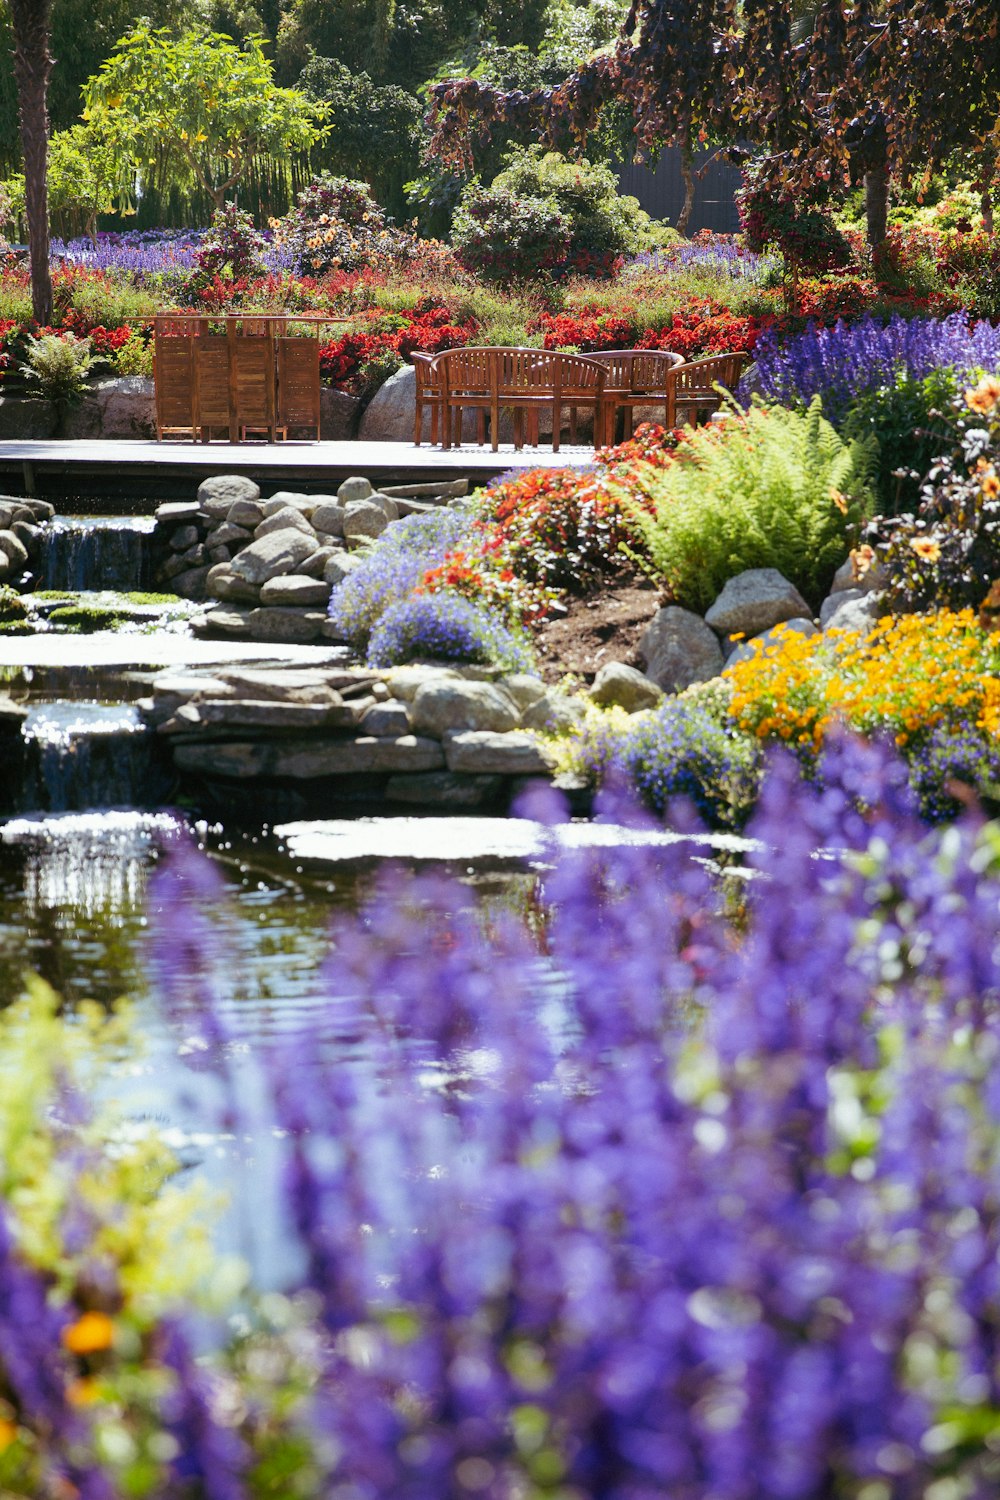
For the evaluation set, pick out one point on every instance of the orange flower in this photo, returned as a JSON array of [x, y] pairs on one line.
[[90, 1334], [8, 1433], [82, 1392], [925, 548], [985, 396], [862, 559], [990, 484]]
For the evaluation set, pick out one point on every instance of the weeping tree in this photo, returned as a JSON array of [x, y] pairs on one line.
[[31, 25], [836, 93]]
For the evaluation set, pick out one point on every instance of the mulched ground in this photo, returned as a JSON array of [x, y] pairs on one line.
[[605, 626]]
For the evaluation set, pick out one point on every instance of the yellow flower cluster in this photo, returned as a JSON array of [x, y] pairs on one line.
[[904, 677], [985, 396]]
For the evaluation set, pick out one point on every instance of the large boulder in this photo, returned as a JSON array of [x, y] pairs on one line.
[[286, 518], [624, 687], [390, 414], [457, 704], [363, 521], [271, 556], [295, 589], [27, 419], [127, 407], [755, 600], [483, 752], [678, 648], [859, 615], [338, 415], [219, 494]]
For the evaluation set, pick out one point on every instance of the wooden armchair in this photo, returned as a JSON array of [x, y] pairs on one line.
[[468, 382], [429, 391], [633, 378], [691, 387]]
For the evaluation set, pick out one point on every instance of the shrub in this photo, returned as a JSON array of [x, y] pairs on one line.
[[337, 225], [504, 236], [232, 247], [682, 749], [912, 420], [393, 567], [545, 213], [134, 356], [771, 217], [59, 365], [443, 626], [928, 681], [767, 489], [949, 552]]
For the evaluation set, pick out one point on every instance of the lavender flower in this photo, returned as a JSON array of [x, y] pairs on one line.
[[840, 363], [445, 627]]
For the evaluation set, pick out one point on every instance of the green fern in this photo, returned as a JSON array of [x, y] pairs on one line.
[[771, 489]]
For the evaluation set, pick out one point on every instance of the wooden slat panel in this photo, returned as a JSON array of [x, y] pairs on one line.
[[254, 382], [173, 375], [212, 381], [298, 383]]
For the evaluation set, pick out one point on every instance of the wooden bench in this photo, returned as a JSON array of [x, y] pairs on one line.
[[526, 382], [692, 396]]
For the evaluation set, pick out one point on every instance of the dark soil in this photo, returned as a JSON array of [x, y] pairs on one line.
[[604, 626]]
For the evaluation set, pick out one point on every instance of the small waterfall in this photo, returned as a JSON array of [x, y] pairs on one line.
[[89, 755], [97, 552]]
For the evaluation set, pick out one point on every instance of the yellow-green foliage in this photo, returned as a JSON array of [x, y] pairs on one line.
[[769, 489], [153, 1232]]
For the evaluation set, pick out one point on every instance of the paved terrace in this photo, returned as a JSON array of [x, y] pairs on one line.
[[91, 469]]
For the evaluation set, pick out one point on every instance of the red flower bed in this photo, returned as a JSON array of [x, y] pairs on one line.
[[342, 360]]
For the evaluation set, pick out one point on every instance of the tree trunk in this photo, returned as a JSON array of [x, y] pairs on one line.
[[986, 203], [32, 64], [876, 206], [687, 177]]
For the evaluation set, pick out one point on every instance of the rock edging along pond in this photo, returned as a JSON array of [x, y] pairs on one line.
[[275, 739]]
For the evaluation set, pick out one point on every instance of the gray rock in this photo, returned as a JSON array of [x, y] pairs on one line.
[[524, 688], [222, 583], [405, 682], [385, 503], [444, 789], [440, 706], [177, 512], [246, 514], [273, 555], [218, 495], [307, 761], [283, 684], [314, 566], [354, 488], [618, 684], [6, 567], [29, 534], [329, 517], [26, 418], [219, 555], [754, 601], [194, 557], [285, 518], [338, 415], [769, 639], [295, 589], [82, 420], [227, 534], [127, 407], [269, 716], [40, 509], [390, 414], [386, 719], [171, 567], [859, 615], [484, 753], [15, 550], [555, 713], [289, 499], [364, 521], [678, 648], [834, 602], [184, 537], [227, 622], [192, 584], [285, 624], [843, 579], [339, 567]]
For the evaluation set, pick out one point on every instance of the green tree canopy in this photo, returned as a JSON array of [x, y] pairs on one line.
[[199, 106], [88, 176]]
